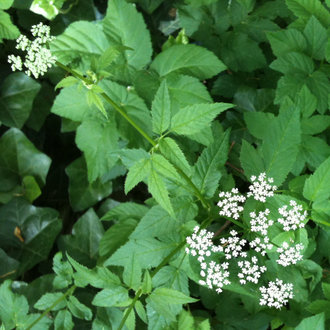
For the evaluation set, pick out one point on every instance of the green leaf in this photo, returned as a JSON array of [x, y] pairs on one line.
[[31, 188], [123, 25], [326, 290], [286, 41], [6, 4], [251, 59], [170, 296], [110, 297], [76, 42], [94, 98], [293, 63], [158, 190], [306, 8], [126, 210], [63, 321], [315, 124], [207, 168], [174, 154], [319, 306], [8, 265], [13, 307], [98, 140], [281, 145], [317, 185], [63, 270], [48, 300], [16, 98], [146, 283], [188, 59], [67, 82], [38, 227], [116, 236], [132, 274], [321, 211], [87, 229], [316, 36], [306, 102], [137, 173], [186, 320], [193, 119], [148, 251], [313, 322], [82, 193], [257, 123], [141, 311], [161, 109], [251, 160], [7, 29], [78, 309], [165, 168], [48, 9]]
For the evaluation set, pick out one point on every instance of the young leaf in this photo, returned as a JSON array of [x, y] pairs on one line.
[[137, 173], [317, 185], [78, 309], [207, 168], [193, 119], [94, 98], [66, 82], [188, 59], [161, 109], [174, 154], [158, 190]]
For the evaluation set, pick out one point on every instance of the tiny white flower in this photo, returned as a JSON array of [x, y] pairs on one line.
[[230, 203], [289, 255], [260, 222], [293, 216], [233, 246], [250, 270], [261, 187], [277, 294], [261, 245]]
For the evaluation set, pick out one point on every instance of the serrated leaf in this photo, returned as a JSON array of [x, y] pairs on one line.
[[281, 145], [193, 119], [188, 59], [48, 300], [63, 270], [78, 309], [95, 98], [313, 322], [251, 160], [98, 140], [66, 82], [171, 296], [63, 321], [123, 25], [317, 185], [207, 168], [315, 124], [326, 290], [137, 173], [164, 167], [158, 190], [132, 274], [16, 99], [257, 123], [110, 297], [316, 36], [161, 109], [306, 102], [126, 210], [108, 56], [174, 154], [76, 42]]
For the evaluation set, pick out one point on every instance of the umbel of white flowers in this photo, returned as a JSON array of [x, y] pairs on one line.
[[38, 58], [241, 260]]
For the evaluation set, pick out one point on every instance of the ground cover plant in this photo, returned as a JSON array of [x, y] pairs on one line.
[[164, 164]]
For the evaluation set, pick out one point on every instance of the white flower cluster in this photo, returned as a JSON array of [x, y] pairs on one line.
[[276, 294], [260, 222], [292, 218], [261, 187], [261, 245], [250, 271], [38, 58], [233, 246], [289, 255], [230, 203], [216, 276]]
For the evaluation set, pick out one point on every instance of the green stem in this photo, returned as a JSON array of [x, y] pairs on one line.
[[123, 113], [67, 293]]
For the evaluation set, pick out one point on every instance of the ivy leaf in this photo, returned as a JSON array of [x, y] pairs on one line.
[[123, 25], [38, 227], [76, 42], [137, 173], [87, 229], [317, 185], [83, 194], [98, 140], [188, 59], [161, 109], [158, 190], [281, 145], [207, 168], [192, 119], [17, 94]]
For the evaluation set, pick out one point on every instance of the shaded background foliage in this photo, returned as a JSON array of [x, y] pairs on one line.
[[62, 168]]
